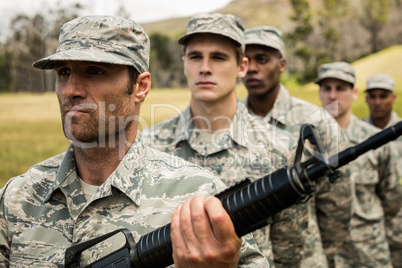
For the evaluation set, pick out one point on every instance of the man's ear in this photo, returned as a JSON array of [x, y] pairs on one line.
[[142, 86], [282, 65], [355, 93], [243, 67]]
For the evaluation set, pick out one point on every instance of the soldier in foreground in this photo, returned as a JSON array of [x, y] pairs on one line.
[[330, 207], [380, 99], [108, 178], [216, 132], [377, 193]]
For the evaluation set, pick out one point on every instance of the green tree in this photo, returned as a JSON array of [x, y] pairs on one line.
[[165, 62], [373, 18], [296, 40]]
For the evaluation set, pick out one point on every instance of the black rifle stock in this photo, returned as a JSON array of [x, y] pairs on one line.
[[249, 204]]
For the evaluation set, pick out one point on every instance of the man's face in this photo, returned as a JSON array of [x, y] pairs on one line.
[[337, 96], [94, 99], [264, 70], [211, 67], [380, 103]]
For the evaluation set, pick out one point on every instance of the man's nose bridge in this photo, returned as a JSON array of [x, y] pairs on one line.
[[333, 92], [251, 64], [74, 84], [205, 64]]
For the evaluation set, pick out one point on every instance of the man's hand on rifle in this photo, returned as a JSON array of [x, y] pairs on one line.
[[203, 235]]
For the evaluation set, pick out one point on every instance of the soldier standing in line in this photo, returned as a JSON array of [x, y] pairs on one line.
[[216, 132], [377, 193], [330, 207], [380, 99], [109, 178]]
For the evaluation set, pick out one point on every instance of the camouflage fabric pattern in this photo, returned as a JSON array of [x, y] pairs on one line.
[[339, 70], [382, 81], [106, 39], [377, 198], [330, 207], [249, 148], [394, 224], [266, 36], [227, 25], [44, 211]]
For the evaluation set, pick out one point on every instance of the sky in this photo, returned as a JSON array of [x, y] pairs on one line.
[[141, 11]]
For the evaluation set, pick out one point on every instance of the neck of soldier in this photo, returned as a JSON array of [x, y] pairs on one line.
[[344, 119], [212, 116], [95, 164], [261, 105], [381, 122]]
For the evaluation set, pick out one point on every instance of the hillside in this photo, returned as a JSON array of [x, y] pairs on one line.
[[354, 40], [387, 61]]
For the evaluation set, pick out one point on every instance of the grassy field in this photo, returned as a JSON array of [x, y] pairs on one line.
[[30, 125]]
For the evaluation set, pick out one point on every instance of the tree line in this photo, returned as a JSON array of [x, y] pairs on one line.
[[340, 30]]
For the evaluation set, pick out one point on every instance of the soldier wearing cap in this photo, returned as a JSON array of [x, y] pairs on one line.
[[377, 195], [330, 207], [216, 132], [380, 98], [109, 178]]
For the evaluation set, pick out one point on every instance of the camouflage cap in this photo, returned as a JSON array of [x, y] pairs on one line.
[[106, 39], [382, 81], [227, 25], [339, 70], [266, 36]]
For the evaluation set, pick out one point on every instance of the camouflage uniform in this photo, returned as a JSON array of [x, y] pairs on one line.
[[393, 224], [249, 148], [45, 210], [330, 207], [377, 195]]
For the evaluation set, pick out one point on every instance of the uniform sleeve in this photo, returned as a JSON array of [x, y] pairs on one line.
[[4, 243], [288, 231], [332, 201], [287, 235], [390, 192]]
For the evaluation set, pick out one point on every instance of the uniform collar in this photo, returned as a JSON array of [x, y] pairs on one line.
[[278, 114], [186, 131], [127, 177]]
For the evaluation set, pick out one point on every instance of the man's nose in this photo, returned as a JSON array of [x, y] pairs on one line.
[[74, 87], [252, 66], [205, 67]]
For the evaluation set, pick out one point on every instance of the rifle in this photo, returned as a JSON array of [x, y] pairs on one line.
[[249, 204]]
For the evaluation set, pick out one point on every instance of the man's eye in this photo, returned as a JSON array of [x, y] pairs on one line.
[[262, 60], [63, 71], [95, 71], [194, 57]]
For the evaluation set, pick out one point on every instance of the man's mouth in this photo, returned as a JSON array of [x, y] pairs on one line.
[[253, 82]]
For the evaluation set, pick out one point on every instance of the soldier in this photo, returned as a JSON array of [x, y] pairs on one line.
[[270, 100], [377, 193], [216, 132], [380, 99], [108, 178]]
